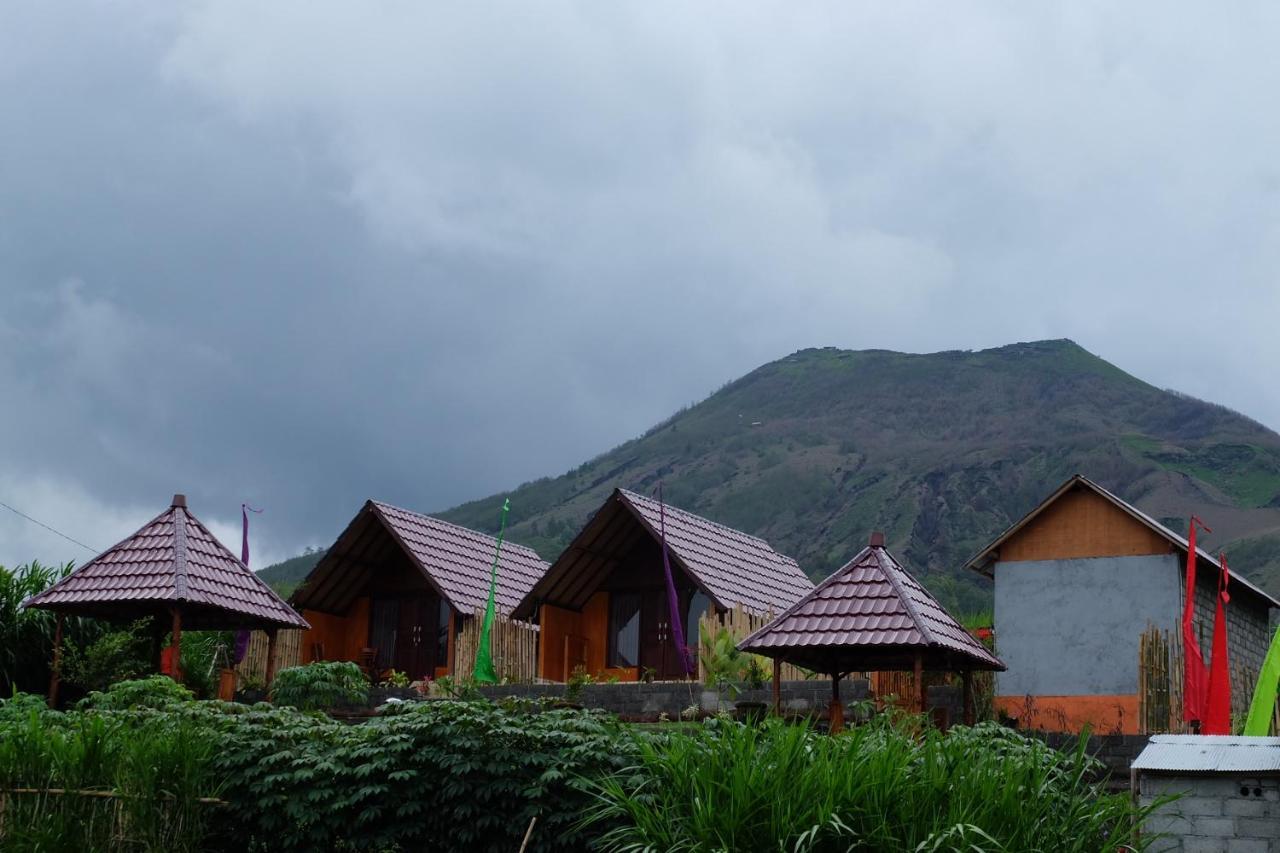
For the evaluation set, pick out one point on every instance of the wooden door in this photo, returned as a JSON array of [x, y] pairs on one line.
[[416, 637], [657, 643]]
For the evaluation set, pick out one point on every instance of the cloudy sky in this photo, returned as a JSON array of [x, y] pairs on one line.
[[304, 253]]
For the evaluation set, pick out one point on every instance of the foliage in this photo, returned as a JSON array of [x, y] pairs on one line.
[[454, 688], [26, 636], [882, 786], [396, 678], [578, 680], [722, 661], [323, 684], [754, 675], [157, 691], [90, 781], [204, 654], [113, 656]]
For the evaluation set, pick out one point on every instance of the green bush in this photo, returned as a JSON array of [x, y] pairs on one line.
[[878, 787], [112, 656], [324, 684], [157, 691], [26, 636]]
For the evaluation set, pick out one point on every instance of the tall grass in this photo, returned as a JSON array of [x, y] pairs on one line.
[[26, 636], [88, 782], [880, 787]]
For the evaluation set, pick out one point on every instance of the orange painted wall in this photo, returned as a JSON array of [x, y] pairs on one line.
[[342, 637], [1082, 524], [1103, 714]]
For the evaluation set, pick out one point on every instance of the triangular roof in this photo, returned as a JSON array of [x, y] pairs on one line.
[[171, 561], [981, 562], [730, 566], [870, 615], [455, 561]]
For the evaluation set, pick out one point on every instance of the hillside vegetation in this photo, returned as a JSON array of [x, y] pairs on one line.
[[941, 451]]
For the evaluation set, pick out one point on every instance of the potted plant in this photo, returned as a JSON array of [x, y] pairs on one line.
[[253, 689], [394, 685], [754, 676], [578, 679], [722, 663]]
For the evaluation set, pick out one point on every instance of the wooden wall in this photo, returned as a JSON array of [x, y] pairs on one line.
[[570, 638], [1082, 524], [340, 637]]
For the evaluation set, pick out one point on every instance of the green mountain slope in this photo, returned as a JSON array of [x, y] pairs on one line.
[[941, 451], [285, 576]]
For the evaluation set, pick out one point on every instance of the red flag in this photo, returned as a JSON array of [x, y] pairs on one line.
[[1217, 715], [1195, 678]]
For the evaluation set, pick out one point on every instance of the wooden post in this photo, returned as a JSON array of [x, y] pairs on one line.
[[176, 645], [271, 656], [970, 713], [56, 672], [919, 684], [777, 687], [835, 711], [452, 652]]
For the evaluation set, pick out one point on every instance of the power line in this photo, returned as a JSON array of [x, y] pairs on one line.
[[48, 528]]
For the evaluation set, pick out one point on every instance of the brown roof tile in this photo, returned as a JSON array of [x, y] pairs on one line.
[[869, 612], [173, 559]]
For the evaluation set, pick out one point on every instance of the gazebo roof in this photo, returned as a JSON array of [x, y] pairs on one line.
[[870, 615], [172, 561]]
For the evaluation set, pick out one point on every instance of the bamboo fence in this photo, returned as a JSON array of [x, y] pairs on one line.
[[741, 623], [253, 669], [1160, 673], [513, 644]]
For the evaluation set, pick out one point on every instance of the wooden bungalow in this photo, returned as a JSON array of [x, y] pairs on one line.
[[1078, 580], [603, 604], [394, 589]]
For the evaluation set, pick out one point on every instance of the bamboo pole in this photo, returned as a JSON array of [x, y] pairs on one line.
[[271, 656], [55, 673]]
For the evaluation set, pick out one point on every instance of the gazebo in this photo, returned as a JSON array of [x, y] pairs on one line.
[[871, 615], [176, 573]]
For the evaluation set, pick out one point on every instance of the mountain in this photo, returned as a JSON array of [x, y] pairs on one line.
[[285, 576], [941, 451]]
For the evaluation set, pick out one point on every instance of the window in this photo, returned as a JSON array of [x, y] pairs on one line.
[[624, 629], [442, 635]]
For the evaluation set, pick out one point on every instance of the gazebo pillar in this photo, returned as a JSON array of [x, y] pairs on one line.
[[835, 710], [175, 647], [271, 656], [56, 672], [966, 678], [777, 687]]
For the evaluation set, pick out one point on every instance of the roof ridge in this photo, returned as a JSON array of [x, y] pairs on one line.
[[181, 585], [722, 526], [891, 575], [506, 543]]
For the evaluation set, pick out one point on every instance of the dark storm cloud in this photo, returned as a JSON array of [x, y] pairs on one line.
[[307, 253]]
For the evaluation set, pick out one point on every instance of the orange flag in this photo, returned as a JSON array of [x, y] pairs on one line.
[[1195, 678], [1217, 717]]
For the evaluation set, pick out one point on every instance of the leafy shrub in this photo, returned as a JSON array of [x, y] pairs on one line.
[[324, 684], [204, 653], [113, 656], [157, 691], [26, 636], [877, 787]]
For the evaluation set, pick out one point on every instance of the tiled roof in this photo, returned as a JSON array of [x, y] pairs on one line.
[[172, 560], [459, 559], [735, 567], [869, 611], [731, 566]]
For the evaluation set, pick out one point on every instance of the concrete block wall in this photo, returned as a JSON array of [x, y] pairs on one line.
[[1215, 813], [1248, 632]]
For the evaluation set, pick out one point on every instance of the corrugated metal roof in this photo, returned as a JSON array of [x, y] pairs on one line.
[[172, 559], [868, 611], [1210, 753], [732, 567], [980, 561]]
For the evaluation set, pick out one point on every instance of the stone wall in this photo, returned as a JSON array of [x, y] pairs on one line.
[[640, 702], [1116, 752], [1216, 813]]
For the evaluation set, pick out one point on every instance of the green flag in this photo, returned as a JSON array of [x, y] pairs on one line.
[[1258, 723], [483, 671]]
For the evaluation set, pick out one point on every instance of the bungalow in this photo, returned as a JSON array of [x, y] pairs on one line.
[[395, 587], [1077, 581], [603, 604]]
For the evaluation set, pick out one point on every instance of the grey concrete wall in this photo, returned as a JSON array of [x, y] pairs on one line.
[[1218, 813], [1071, 627], [1248, 634]]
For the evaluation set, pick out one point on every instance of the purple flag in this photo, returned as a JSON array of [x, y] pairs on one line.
[[242, 637], [673, 600]]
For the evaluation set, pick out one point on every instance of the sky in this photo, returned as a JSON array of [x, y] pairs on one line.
[[302, 254]]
